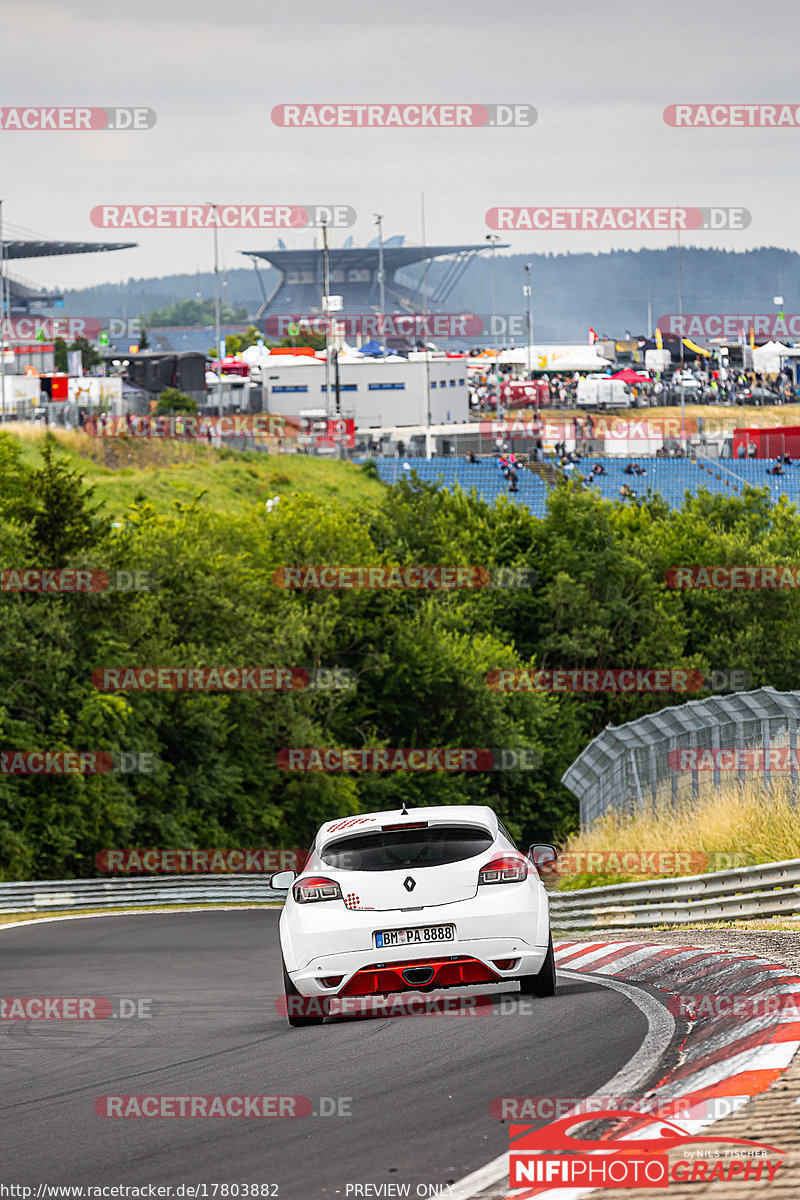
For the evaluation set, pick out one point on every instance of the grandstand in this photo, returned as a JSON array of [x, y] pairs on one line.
[[671, 478], [354, 275], [25, 298]]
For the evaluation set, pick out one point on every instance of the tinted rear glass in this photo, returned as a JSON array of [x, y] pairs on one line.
[[431, 847]]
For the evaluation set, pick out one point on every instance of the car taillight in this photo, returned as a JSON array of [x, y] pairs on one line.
[[316, 887], [507, 869]]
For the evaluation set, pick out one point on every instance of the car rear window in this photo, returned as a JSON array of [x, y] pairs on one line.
[[433, 846]]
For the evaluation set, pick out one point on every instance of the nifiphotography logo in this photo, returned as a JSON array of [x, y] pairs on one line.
[[632, 1161]]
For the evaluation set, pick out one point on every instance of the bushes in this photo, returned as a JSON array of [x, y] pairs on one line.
[[419, 659]]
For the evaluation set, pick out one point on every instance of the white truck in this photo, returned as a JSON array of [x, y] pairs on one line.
[[600, 391], [657, 360]]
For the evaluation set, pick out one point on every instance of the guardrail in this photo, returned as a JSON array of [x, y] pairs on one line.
[[60, 894], [767, 890]]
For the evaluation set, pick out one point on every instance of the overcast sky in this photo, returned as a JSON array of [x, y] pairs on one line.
[[599, 76]]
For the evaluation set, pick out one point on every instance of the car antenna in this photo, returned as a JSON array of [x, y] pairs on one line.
[[405, 812]]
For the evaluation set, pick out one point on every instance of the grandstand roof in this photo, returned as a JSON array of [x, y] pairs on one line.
[[48, 249], [394, 257]]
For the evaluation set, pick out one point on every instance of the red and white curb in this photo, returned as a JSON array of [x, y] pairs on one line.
[[719, 1056]]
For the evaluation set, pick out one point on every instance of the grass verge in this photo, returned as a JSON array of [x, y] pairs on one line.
[[124, 470], [745, 820]]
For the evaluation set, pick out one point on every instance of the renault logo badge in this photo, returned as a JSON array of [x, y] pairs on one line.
[[408, 883]]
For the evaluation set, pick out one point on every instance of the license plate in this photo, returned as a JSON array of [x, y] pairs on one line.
[[412, 937]]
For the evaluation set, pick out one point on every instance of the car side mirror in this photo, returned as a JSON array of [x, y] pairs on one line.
[[281, 881], [543, 856]]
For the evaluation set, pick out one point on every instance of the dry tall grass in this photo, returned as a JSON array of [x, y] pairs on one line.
[[117, 453], [749, 819]]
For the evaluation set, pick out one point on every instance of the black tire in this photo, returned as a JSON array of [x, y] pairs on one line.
[[290, 991], [543, 984]]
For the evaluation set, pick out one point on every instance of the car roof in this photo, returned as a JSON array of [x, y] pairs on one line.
[[443, 814]]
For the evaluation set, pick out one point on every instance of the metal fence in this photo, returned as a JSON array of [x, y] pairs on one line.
[[772, 889], [76, 894], [769, 890], [628, 767]]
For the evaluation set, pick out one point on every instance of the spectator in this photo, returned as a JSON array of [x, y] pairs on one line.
[[751, 449], [599, 469], [741, 452], [470, 457], [627, 492]]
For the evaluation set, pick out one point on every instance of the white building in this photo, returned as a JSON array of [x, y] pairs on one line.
[[377, 392]]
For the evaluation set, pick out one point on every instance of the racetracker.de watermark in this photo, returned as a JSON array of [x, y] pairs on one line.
[[221, 679], [733, 579], [413, 578], [77, 762], [204, 1106], [616, 680], [46, 329], [734, 758], [69, 580], [648, 429], [403, 1004], [641, 862], [63, 119], [221, 216], [399, 325], [617, 218], [403, 116], [418, 759], [254, 861], [190, 428], [769, 326], [704, 1005], [72, 1008], [732, 116], [549, 1108]]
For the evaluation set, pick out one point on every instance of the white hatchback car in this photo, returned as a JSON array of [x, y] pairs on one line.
[[421, 900]]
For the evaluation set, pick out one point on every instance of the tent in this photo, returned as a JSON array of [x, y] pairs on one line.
[[578, 360], [373, 350], [630, 376], [767, 358]]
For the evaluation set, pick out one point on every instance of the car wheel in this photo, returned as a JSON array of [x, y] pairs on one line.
[[296, 1020], [543, 984]]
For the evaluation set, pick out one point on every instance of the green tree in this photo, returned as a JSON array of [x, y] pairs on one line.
[[60, 355], [58, 507], [171, 400], [193, 312], [315, 340], [89, 356]]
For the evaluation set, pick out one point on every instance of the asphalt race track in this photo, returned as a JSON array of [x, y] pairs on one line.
[[419, 1087]]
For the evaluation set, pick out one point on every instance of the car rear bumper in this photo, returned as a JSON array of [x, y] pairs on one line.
[[503, 925], [379, 973]]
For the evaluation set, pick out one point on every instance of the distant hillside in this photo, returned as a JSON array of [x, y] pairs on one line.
[[570, 291]]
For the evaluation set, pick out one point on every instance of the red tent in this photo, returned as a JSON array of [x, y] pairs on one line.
[[630, 376]]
